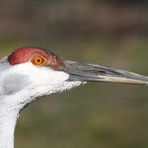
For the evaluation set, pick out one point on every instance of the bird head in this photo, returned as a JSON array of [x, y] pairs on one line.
[[29, 73]]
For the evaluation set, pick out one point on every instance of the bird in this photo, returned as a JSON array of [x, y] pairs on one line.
[[29, 73]]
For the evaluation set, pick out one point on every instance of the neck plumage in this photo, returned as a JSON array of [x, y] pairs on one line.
[[8, 118], [7, 127]]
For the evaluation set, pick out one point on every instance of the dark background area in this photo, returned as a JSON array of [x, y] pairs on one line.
[[107, 32]]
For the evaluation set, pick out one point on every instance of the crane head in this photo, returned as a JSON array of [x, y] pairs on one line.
[[31, 72]]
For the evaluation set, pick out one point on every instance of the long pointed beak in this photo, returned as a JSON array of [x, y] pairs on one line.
[[86, 72]]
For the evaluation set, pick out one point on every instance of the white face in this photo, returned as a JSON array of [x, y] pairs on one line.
[[22, 83]]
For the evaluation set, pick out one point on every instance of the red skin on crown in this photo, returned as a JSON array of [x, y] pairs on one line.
[[25, 54]]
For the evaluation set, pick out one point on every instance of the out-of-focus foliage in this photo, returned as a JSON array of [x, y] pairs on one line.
[[109, 32], [36, 19]]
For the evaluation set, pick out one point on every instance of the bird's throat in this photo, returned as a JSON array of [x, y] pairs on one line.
[[8, 119], [7, 128]]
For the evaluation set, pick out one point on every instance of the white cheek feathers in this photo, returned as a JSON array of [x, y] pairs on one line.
[[40, 75], [42, 80]]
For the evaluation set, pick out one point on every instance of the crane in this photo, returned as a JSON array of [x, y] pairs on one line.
[[29, 73]]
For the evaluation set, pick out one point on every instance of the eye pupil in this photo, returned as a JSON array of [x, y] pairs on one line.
[[38, 60]]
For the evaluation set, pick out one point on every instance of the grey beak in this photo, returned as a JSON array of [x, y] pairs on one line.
[[79, 71]]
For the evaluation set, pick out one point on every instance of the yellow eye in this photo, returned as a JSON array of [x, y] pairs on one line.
[[38, 60]]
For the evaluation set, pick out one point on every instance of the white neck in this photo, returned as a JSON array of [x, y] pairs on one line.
[[8, 118], [7, 127]]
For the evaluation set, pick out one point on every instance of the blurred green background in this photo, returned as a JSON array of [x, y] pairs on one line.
[[107, 32]]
